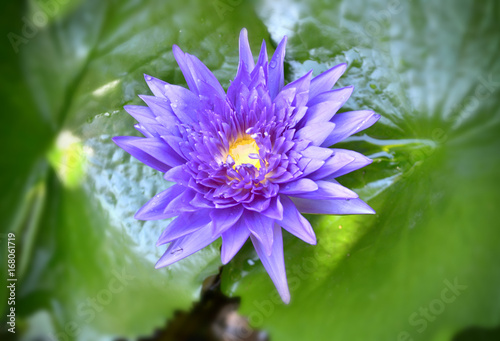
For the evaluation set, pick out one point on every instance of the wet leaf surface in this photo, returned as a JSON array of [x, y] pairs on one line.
[[425, 264], [387, 276]]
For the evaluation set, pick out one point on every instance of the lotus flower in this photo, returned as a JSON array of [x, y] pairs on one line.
[[247, 162]]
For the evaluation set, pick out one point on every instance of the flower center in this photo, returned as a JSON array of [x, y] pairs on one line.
[[245, 151]]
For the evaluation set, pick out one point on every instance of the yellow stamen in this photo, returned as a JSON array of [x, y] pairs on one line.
[[241, 149]]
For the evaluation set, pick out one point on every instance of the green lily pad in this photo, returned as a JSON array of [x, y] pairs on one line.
[[85, 265], [426, 265]]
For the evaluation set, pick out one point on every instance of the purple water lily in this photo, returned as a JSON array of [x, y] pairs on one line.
[[248, 162]]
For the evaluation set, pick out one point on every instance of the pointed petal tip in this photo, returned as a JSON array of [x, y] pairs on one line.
[[341, 67], [143, 97], [141, 213], [178, 53], [121, 141], [130, 107], [280, 49], [160, 241], [284, 293], [137, 216], [224, 258], [159, 265], [366, 209], [308, 238], [371, 114], [308, 75], [313, 240]]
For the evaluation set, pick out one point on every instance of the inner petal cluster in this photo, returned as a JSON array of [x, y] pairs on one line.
[[244, 151]]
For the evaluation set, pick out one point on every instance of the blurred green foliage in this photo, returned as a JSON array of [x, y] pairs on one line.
[[423, 268]]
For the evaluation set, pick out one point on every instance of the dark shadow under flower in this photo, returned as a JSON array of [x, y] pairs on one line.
[[247, 163]]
